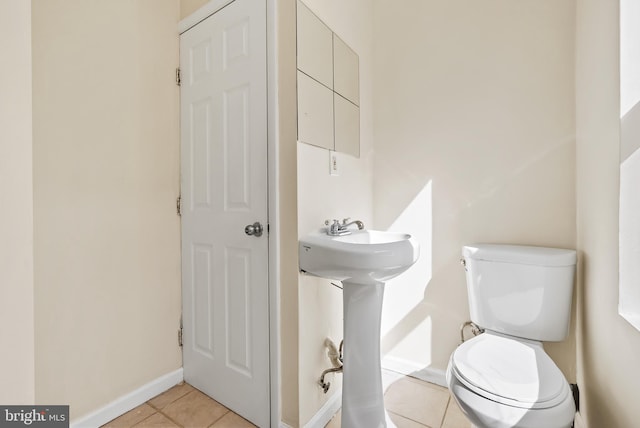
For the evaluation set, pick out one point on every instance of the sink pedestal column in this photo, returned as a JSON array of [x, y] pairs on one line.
[[362, 395]]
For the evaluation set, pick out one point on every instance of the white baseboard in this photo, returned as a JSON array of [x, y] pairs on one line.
[[410, 368], [326, 412], [129, 401]]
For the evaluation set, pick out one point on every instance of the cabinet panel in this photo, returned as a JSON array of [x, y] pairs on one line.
[[315, 113], [346, 71], [315, 46], [347, 126]]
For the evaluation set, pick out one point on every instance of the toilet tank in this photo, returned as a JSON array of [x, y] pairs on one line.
[[520, 290]]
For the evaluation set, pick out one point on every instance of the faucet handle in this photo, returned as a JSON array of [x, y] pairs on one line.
[[346, 220], [329, 222], [334, 228]]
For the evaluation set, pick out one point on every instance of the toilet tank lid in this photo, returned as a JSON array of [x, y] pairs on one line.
[[520, 254]]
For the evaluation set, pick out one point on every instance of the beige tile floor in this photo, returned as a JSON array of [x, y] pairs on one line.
[[180, 406], [411, 403]]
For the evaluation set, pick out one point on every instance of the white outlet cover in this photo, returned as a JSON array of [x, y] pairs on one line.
[[333, 163]]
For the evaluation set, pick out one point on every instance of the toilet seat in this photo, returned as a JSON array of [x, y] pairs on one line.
[[508, 370]]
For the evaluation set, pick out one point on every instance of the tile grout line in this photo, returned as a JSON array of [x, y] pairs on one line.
[[139, 422], [408, 418], [171, 402], [170, 418], [446, 409], [181, 397], [220, 418], [159, 410]]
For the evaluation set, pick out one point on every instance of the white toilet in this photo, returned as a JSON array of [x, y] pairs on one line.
[[520, 296]]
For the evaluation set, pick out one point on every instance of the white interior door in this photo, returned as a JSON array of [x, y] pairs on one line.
[[224, 189]]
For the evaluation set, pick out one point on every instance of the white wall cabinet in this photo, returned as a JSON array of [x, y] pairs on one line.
[[346, 126], [345, 71], [328, 86], [315, 46], [315, 112]]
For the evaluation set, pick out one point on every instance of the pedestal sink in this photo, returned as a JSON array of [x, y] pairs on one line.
[[362, 260]]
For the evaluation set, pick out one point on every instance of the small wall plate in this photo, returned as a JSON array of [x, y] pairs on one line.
[[333, 163]]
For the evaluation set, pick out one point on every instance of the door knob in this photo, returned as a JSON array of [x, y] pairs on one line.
[[254, 229]]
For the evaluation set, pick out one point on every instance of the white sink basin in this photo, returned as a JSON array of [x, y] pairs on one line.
[[363, 256]]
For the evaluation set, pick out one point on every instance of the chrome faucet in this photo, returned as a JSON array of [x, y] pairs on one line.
[[336, 228]]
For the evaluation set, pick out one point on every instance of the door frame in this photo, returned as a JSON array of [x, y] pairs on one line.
[[199, 15]]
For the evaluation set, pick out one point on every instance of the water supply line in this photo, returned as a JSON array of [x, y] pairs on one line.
[[474, 329], [335, 357]]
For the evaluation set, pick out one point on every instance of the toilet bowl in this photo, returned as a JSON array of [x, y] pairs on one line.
[[520, 296], [503, 382]]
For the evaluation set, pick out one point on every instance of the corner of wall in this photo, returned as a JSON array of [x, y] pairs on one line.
[[17, 360], [287, 206]]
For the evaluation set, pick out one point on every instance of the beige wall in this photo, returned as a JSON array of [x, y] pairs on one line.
[[16, 199], [187, 7], [474, 142], [322, 197], [106, 161], [608, 346]]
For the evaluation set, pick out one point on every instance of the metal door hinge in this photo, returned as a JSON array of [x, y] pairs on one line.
[[180, 334], [179, 205], [178, 77]]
